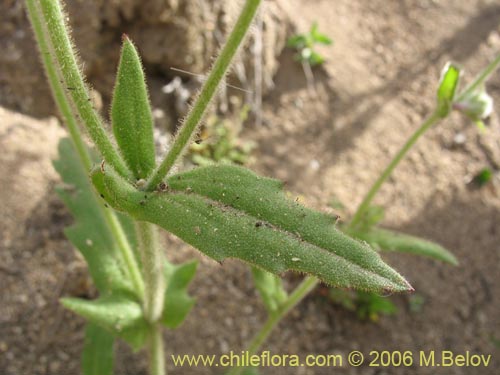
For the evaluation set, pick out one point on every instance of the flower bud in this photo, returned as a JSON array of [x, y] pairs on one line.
[[477, 105]]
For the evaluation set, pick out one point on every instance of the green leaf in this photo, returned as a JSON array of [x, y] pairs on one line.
[[178, 303], [393, 241], [90, 233], [315, 59], [297, 41], [484, 176], [270, 289], [322, 39], [229, 212], [98, 351], [370, 305], [131, 114], [318, 37], [447, 88], [118, 314]]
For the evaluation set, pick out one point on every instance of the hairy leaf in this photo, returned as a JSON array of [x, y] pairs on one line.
[[447, 88], [270, 289], [98, 351], [90, 233], [178, 302], [229, 212], [393, 241], [131, 113], [119, 314]]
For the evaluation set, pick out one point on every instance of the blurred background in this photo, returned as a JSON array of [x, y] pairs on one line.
[[325, 127]]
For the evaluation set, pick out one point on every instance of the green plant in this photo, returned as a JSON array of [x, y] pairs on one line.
[[304, 45], [416, 303], [366, 305], [483, 177], [222, 210], [364, 223], [306, 54], [219, 141]]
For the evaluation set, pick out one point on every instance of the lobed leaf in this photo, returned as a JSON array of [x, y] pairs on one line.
[[131, 114], [229, 212], [178, 303], [98, 351], [393, 241], [90, 233], [447, 87], [119, 314]]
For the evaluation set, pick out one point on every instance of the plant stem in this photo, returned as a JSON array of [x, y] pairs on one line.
[[69, 116], [127, 254], [156, 352], [152, 266], [65, 60], [308, 284], [53, 76], [206, 94], [480, 79], [365, 204], [308, 73]]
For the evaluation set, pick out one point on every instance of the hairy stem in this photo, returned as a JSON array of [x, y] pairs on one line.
[[155, 352], [292, 300], [54, 78], [152, 267], [65, 60], [365, 204], [126, 252], [69, 115], [206, 94]]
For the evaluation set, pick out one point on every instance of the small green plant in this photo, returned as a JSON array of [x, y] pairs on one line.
[[224, 211], [219, 141], [305, 43], [416, 303], [366, 305], [484, 176]]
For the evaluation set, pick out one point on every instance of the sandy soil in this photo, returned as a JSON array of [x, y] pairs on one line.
[[375, 89]]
